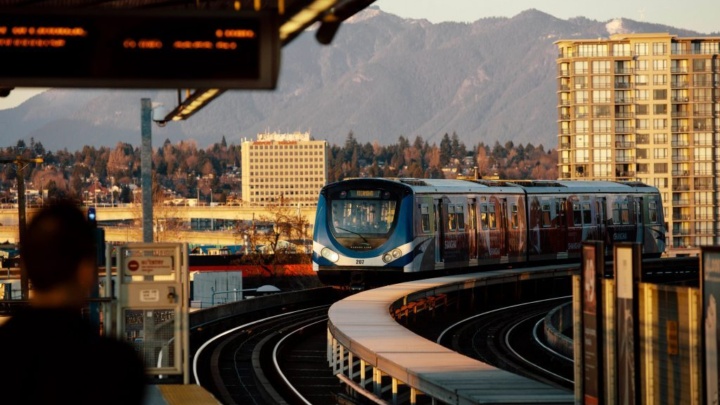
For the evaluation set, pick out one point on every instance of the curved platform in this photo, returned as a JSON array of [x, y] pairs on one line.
[[363, 335]]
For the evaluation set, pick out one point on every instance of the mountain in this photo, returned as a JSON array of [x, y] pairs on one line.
[[382, 77]]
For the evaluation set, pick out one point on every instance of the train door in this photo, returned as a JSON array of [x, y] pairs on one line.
[[561, 225], [439, 231], [504, 239], [639, 220], [600, 215], [472, 229]]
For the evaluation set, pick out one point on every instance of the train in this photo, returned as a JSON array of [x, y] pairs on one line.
[[376, 231]]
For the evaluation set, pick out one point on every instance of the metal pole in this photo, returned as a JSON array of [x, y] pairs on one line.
[[24, 285], [146, 168]]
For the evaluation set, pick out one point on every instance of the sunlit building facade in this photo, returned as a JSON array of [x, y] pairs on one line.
[[646, 107], [283, 169]]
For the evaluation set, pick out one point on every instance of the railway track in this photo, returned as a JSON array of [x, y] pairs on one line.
[[281, 359], [507, 338]]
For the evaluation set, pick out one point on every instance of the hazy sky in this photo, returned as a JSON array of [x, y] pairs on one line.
[[697, 15]]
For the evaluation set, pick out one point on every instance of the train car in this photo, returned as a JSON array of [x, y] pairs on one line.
[[374, 231]]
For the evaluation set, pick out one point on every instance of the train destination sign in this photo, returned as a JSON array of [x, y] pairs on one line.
[[139, 49]]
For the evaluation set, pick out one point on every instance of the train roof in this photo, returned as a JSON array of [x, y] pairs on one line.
[[583, 186], [455, 186]]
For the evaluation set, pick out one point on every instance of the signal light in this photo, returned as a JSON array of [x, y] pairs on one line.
[[92, 216]]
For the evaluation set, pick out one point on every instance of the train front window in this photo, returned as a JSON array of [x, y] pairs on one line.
[[362, 217]]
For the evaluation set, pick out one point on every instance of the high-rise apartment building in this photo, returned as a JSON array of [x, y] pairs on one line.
[[646, 107], [283, 168]]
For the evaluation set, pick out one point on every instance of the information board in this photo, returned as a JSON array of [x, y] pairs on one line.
[[139, 49]]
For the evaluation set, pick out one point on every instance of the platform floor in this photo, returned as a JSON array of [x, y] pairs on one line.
[[178, 394]]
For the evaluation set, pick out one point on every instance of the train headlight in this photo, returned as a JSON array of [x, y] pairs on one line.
[[392, 255], [330, 255]]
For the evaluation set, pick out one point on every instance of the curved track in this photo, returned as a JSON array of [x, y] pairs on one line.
[[508, 339]]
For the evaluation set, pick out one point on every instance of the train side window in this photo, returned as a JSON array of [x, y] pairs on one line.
[[624, 213], [546, 222], [484, 216], [451, 218], [616, 213], [587, 215], [577, 215], [514, 216], [491, 217], [424, 218], [460, 217], [652, 208]]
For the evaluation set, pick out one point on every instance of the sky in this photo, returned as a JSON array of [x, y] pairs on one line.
[[696, 15]]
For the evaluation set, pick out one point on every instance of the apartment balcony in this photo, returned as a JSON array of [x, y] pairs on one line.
[[602, 115], [602, 144], [677, 100], [582, 116], [680, 203], [702, 113], [678, 85], [624, 71], [565, 175], [625, 159], [565, 160], [564, 87], [625, 174], [681, 128], [624, 115], [676, 144], [564, 116], [681, 187], [624, 130], [681, 232], [679, 114], [623, 100], [565, 102], [704, 83], [565, 131], [623, 85], [703, 98], [703, 187], [680, 173], [683, 69], [624, 145], [679, 158], [704, 173], [565, 145], [564, 72]]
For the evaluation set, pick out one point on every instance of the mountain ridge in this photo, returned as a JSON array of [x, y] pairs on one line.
[[381, 78]]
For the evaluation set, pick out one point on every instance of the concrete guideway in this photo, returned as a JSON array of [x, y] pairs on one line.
[[365, 344]]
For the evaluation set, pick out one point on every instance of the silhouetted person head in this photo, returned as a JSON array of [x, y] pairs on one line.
[[58, 253]]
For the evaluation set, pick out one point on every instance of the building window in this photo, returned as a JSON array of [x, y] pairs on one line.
[[659, 80], [641, 48], [660, 168], [660, 108], [660, 94], [659, 48]]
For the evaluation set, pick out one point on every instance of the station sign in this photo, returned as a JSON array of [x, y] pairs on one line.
[[112, 48], [148, 266]]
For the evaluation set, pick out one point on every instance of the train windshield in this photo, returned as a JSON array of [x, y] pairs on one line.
[[363, 219]]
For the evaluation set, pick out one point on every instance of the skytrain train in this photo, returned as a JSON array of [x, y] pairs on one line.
[[375, 231]]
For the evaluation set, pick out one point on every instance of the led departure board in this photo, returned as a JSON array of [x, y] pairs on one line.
[[139, 49]]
